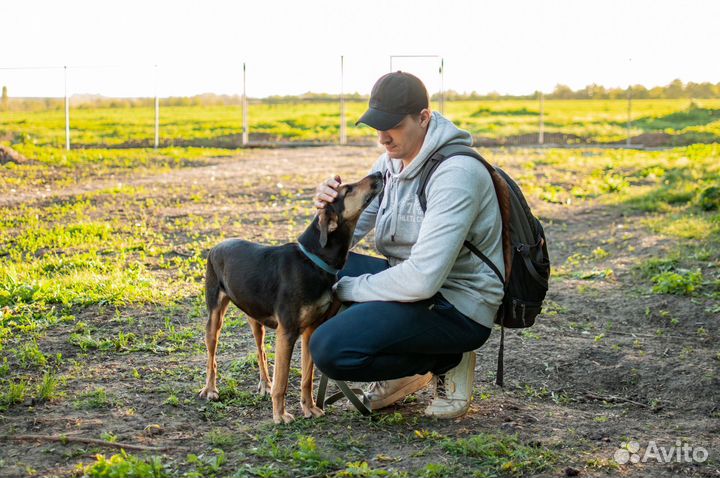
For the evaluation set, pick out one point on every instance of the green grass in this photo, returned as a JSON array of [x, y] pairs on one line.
[[502, 455], [124, 465], [98, 398], [115, 276], [685, 121]]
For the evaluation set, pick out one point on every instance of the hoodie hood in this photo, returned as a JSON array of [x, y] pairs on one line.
[[440, 132]]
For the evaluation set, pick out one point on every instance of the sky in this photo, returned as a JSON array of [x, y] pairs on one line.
[[290, 47]]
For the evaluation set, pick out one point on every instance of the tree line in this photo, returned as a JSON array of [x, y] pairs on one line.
[[675, 89]]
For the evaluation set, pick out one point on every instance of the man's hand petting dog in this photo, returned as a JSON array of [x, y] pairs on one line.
[[327, 192]]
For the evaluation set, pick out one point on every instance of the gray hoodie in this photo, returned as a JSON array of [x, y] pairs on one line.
[[426, 251]]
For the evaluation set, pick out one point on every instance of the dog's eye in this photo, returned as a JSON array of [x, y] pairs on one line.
[[349, 189]]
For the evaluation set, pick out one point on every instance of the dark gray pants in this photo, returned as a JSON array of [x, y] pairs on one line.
[[372, 341]]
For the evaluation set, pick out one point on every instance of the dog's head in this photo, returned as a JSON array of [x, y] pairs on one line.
[[350, 202]]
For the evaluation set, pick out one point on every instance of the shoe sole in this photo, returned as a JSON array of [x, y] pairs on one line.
[[447, 415], [399, 394]]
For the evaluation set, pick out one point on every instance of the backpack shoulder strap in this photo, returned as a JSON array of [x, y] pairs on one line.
[[501, 191], [440, 155]]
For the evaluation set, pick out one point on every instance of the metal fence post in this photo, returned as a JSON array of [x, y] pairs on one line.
[[157, 111], [67, 112], [629, 111], [245, 112], [541, 134], [629, 116], [343, 132], [442, 86]]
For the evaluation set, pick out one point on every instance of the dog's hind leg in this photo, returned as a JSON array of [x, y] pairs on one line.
[[284, 344], [212, 336], [258, 330], [307, 402]]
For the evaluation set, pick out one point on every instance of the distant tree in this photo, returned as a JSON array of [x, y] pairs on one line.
[[594, 92], [639, 92], [5, 99], [700, 90], [675, 89], [656, 92], [562, 92]]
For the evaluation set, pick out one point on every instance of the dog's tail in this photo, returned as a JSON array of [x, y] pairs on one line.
[[212, 285]]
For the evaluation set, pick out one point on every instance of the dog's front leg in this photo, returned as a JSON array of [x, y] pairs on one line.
[[307, 402], [284, 343]]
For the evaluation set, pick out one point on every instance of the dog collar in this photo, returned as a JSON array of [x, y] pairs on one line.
[[317, 261]]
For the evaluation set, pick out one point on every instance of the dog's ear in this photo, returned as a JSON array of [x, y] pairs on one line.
[[327, 223]]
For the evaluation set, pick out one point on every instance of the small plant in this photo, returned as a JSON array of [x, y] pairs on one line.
[[602, 464], [529, 334], [206, 465], [395, 418], [220, 438], [47, 387], [172, 400], [308, 456], [124, 466], [108, 436], [709, 198], [30, 355], [15, 393], [4, 367], [97, 398], [437, 470], [600, 253], [428, 435], [678, 283], [123, 340], [613, 183], [532, 392], [361, 469]]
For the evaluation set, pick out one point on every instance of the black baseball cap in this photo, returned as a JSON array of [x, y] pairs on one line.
[[393, 97]]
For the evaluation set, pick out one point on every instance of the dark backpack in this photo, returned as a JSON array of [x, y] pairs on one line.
[[527, 263]]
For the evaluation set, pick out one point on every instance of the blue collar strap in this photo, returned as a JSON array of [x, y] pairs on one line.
[[317, 261]]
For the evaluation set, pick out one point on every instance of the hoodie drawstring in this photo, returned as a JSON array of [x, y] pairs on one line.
[[394, 217]]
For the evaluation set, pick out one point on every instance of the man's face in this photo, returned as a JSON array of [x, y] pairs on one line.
[[405, 140]]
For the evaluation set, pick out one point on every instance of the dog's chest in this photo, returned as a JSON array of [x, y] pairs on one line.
[[313, 311]]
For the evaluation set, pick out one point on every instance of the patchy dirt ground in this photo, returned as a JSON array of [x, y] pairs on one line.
[[607, 363]]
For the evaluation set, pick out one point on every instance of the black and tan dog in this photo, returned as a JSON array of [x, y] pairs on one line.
[[287, 288]]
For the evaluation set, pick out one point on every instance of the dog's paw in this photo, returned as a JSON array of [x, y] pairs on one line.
[[209, 394], [285, 417], [312, 412], [263, 388]]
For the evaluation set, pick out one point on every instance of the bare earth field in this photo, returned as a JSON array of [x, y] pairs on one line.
[[608, 362]]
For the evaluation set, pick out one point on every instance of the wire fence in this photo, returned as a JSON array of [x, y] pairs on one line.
[[155, 117]]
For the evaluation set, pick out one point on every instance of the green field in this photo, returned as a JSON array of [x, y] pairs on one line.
[[658, 122], [102, 320], [102, 252]]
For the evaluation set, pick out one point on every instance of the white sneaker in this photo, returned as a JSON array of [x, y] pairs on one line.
[[387, 392], [453, 390]]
